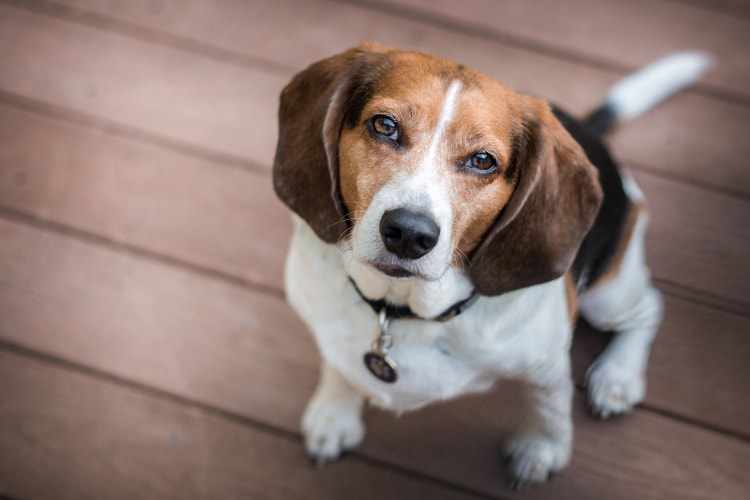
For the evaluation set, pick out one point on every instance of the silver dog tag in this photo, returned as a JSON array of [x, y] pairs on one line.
[[381, 366], [377, 360]]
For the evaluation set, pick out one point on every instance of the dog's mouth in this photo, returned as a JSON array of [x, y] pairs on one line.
[[394, 271]]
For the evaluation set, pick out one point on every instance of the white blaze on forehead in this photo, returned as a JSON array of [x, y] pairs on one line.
[[447, 112], [427, 179]]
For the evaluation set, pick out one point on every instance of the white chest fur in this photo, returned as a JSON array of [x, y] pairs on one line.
[[512, 335]]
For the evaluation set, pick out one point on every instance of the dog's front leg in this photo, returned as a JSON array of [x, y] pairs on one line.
[[542, 445], [332, 422]]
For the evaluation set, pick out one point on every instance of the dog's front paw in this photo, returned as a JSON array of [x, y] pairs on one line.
[[330, 429], [613, 390], [534, 459]]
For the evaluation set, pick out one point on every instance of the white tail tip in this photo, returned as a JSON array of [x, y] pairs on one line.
[[642, 90]]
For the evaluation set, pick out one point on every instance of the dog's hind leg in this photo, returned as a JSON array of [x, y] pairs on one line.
[[627, 304]]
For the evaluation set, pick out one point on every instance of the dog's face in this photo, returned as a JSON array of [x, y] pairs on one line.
[[426, 166], [421, 164]]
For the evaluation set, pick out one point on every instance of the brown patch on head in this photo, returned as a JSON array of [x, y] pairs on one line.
[[410, 93], [520, 223], [486, 119], [489, 121]]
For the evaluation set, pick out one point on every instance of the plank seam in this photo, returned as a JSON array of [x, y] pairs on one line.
[[134, 250], [670, 415], [93, 122], [82, 369], [713, 9], [738, 435], [440, 21], [107, 24], [687, 181], [701, 297]]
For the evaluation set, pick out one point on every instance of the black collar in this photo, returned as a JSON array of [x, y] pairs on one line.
[[405, 312]]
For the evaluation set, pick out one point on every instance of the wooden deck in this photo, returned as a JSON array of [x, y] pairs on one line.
[[146, 350]]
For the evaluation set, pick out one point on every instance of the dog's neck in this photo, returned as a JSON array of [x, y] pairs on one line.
[[427, 299], [391, 311]]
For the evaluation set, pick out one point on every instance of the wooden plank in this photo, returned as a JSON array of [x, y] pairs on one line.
[[687, 352], [603, 31], [693, 130], [69, 435], [154, 324], [738, 8], [219, 217], [642, 455], [244, 352], [219, 107], [64, 434], [663, 142], [211, 216], [694, 234]]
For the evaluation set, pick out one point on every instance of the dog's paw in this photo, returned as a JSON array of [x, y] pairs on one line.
[[534, 459], [613, 390], [330, 430]]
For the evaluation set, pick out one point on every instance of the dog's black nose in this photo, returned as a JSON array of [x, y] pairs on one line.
[[408, 234]]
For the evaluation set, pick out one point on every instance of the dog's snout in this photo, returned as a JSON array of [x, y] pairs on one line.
[[407, 234]]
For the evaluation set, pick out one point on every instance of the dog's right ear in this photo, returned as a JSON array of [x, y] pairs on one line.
[[313, 109]]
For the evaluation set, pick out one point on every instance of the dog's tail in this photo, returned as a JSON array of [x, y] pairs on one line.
[[640, 91]]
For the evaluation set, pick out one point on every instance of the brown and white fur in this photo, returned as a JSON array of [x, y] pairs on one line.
[[493, 196]]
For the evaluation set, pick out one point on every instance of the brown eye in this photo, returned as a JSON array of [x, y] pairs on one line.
[[385, 126], [482, 162]]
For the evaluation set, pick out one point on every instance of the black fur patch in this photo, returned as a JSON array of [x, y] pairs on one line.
[[521, 146], [602, 241], [601, 120], [361, 94], [361, 86]]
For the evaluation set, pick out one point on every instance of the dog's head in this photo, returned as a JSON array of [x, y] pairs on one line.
[[422, 164]]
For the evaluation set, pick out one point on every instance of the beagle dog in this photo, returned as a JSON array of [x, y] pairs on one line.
[[448, 231]]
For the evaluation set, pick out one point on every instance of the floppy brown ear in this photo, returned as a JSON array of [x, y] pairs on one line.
[[312, 110], [557, 196]]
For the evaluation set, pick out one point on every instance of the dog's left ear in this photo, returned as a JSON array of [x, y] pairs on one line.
[[537, 234]]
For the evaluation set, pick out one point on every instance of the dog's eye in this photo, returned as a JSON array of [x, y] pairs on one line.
[[385, 126], [482, 162]]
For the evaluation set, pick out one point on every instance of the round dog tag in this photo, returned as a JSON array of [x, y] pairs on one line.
[[381, 366]]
